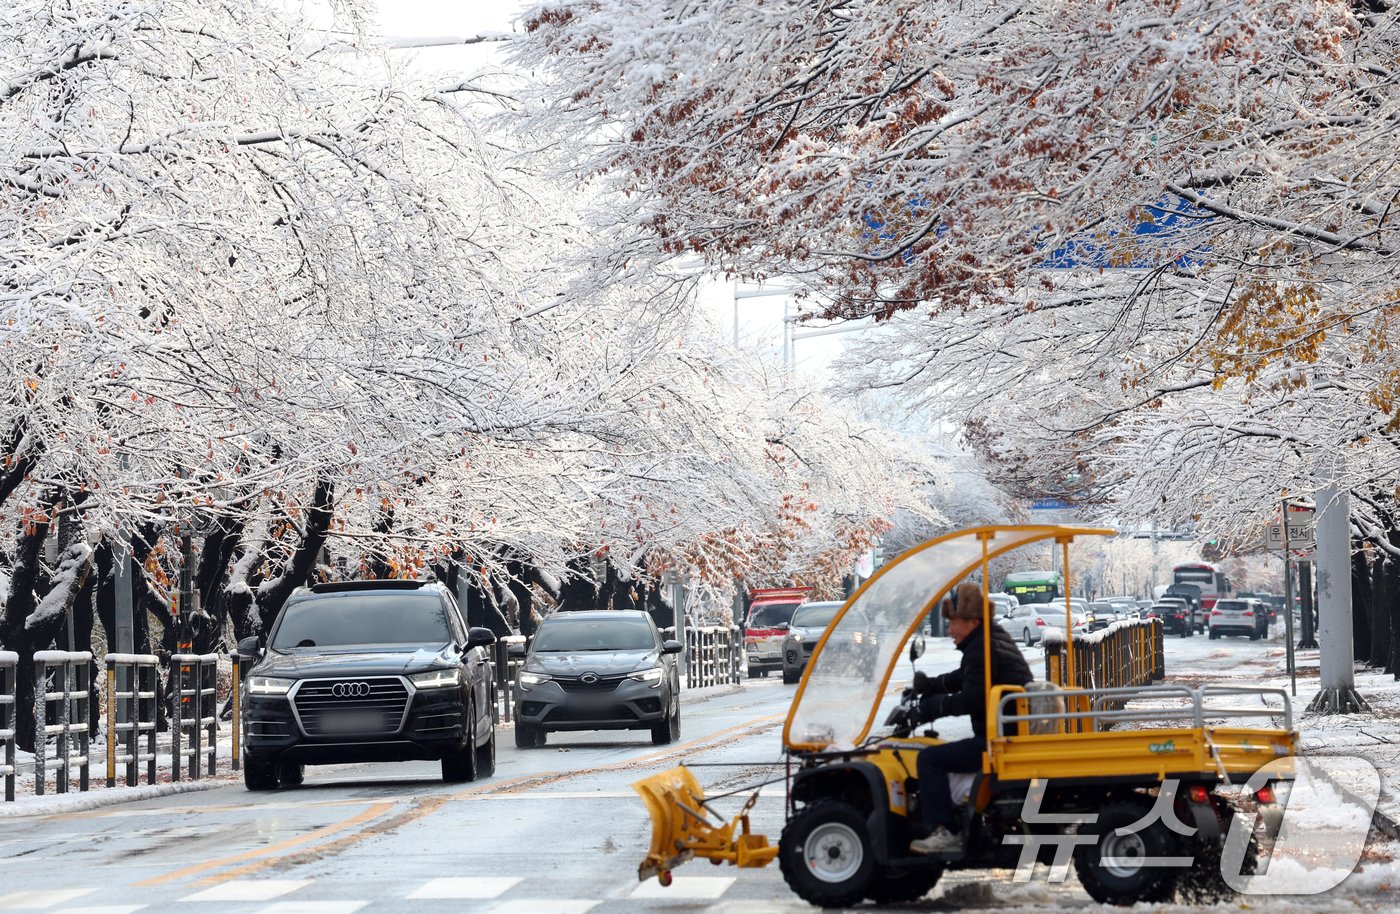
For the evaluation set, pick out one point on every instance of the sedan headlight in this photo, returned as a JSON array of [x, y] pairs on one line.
[[653, 675], [269, 685], [533, 679], [436, 679]]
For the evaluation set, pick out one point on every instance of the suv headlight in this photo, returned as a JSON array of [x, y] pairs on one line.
[[653, 675], [269, 685], [528, 679], [436, 679], [796, 636]]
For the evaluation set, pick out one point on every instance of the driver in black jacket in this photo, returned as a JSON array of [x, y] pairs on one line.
[[953, 694]]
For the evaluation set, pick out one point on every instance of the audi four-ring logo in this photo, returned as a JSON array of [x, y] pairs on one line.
[[350, 689], [588, 678]]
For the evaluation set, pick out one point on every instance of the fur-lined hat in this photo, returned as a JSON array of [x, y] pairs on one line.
[[966, 603]]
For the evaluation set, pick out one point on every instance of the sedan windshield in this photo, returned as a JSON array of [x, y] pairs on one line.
[[625, 634], [344, 620]]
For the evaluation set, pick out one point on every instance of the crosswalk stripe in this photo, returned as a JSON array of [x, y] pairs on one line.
[[545, 906], [249, 890], [465, 887], [103, 909], [687, 887], [314, 907], [40, 898]]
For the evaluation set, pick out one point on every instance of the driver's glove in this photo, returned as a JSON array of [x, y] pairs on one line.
[[931, 707]]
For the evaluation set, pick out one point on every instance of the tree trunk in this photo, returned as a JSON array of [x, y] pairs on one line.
[[1380, 613], [1392, 590], [579, 590], [15, 637], [303, 561], [211, 577], [1360, 603]]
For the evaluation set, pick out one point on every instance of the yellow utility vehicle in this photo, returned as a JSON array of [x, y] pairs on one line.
[[1125, 781]]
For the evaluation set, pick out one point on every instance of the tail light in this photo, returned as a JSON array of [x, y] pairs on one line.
[[1265, 794], [1039, 621], [1216, 612], [1249, 612], [1199, 794]]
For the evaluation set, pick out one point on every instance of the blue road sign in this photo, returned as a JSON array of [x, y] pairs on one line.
[[1049, 504]]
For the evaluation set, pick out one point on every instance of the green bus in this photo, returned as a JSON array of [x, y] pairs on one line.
[[1033, 586]]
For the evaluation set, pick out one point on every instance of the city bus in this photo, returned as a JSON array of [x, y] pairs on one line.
[[1033, 586], [1213, 583]]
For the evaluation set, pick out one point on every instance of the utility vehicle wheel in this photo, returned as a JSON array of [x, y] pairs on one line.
[[1204, 883], [825, 855], [291, 774], [486, 757], [1118, 868], [528, 737], [892, 886], [259, 775]]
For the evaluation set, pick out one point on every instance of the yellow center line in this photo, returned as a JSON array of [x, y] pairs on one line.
[[424, 806]]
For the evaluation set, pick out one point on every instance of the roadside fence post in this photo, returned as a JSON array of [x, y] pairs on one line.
[[195, 706], [72, 695], [9, 682], [131, 714], [236, 703]]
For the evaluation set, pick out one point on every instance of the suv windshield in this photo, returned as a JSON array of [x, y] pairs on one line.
[[816, 616], [360, 619], [624, 634]]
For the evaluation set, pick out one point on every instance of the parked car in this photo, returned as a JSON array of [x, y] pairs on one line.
[[368, 671], [1028, 623], [1239, 617], [598, 670], [1178, 617], [808, 623], [1002, 603], [765, 626]]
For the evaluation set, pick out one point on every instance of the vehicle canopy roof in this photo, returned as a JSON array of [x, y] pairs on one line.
[[850, 667]]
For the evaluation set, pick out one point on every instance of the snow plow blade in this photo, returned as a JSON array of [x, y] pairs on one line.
[[681, 828]]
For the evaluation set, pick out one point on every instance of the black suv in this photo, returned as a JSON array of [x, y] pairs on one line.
[[368, 671], [598, 670]]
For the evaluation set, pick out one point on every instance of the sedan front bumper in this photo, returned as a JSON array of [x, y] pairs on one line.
[[556, 705]]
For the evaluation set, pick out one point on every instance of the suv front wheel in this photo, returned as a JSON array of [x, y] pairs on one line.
[[259, 775]]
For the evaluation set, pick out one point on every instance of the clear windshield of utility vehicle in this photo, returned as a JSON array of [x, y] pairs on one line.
[[847, 675]]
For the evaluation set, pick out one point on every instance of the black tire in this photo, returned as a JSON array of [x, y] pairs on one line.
[[486, 756], [753, 673], [528, 737], [1204, 882], [1127, 879], [291, 774], [903, 886], [666, 732], [1214, 635], [459, 765], [825, 855], [259, 775], [1026, 634], [791, 676]]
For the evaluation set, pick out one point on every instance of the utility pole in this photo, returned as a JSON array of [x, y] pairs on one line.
[[1338, 678]]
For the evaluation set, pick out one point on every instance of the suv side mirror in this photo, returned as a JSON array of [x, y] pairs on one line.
[[782, 626], [671, 647], [249, 647], [478, 636]]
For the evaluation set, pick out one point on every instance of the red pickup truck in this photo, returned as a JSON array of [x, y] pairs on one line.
[[770, 613]]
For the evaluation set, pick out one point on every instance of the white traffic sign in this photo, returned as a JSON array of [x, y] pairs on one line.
[[1300, 531]]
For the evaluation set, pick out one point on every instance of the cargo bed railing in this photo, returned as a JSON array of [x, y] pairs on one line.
[[1089, 710]]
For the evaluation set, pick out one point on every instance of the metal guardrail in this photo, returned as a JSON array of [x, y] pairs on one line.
[[9, 681], [1124, 654], [195, 679], [712, 656], [72, 697], [133, 684], [1096, 709]]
